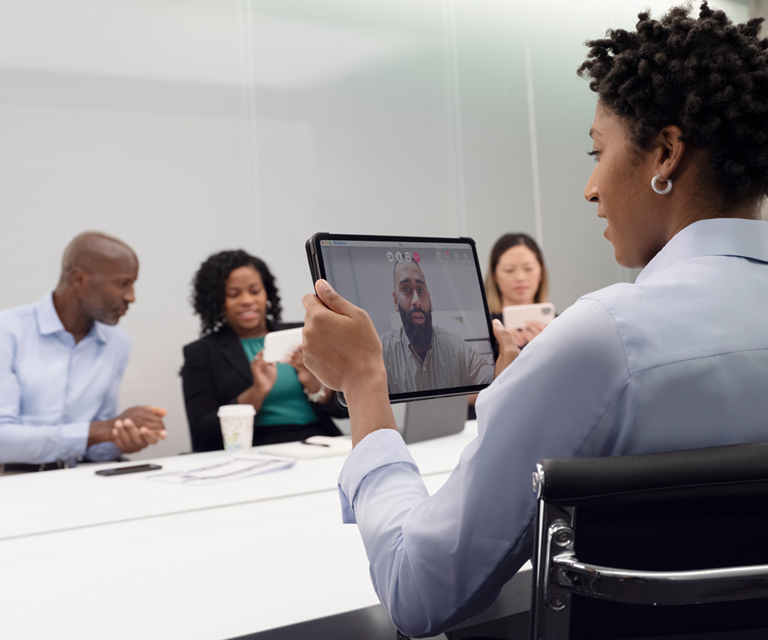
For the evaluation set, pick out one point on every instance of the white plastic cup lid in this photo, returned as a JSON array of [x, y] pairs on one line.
[[236, 410]]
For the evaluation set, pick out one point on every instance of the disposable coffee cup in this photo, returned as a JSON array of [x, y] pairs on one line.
[[237, 426]]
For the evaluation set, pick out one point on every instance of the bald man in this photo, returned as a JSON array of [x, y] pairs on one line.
[[61, 363], [419, 356]]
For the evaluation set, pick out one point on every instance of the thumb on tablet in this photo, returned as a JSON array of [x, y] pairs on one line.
[[333, 300]]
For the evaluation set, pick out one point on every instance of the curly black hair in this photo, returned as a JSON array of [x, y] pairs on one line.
[[208, 287], [707, 76]]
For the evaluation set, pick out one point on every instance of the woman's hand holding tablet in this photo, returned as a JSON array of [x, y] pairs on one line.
[[340, 343], [508, 349], [341, 347]]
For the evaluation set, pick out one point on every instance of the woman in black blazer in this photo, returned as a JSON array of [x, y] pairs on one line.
[[235, 296]]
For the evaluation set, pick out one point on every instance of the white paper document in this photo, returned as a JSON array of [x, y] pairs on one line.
[[312, 447], [239, 466]]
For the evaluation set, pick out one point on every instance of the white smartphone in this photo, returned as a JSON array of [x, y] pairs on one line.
[[516, 316], [279, 344]]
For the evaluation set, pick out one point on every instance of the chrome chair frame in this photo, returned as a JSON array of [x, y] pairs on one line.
[[563, 486]]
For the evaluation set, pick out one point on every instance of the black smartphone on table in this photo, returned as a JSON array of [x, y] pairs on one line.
[[426, 299], [119, 471]]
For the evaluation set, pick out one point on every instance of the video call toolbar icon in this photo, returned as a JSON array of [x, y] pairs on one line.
[[406, 256]]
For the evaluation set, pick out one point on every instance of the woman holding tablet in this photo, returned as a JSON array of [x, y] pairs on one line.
[[675, 360], [516, 275], [235, 296]]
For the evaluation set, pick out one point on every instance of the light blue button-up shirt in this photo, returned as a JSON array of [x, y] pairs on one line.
[[677, 360], [51, 389]]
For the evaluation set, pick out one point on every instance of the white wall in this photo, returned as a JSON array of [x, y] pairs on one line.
[[190, 126]]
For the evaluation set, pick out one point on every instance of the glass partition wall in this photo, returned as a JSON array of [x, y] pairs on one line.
[[190, 126]]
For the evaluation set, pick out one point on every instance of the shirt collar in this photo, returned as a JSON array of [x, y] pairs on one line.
[[714, 237], [48, 321]]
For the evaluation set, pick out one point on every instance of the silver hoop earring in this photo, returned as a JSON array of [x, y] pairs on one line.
[[269, 305], [655, 185]]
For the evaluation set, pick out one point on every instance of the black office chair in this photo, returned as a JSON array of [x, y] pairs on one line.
[[668, 545]]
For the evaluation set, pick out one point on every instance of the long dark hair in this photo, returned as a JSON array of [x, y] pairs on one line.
[[502, 245], [209, 283]]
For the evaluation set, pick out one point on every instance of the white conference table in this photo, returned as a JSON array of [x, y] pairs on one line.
[[264, 557]]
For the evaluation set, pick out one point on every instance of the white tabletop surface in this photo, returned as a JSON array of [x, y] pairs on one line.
[[84, 556], [34, 503]]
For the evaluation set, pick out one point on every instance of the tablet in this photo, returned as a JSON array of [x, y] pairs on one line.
[[426, 299], [516, 316]]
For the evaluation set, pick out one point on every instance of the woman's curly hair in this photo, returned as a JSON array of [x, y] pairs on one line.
[[707, 76], [209, 283]]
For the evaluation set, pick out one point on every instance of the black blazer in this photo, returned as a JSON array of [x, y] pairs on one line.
[[216, 371]]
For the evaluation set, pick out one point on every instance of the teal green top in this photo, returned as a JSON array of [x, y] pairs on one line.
[[286, 403]]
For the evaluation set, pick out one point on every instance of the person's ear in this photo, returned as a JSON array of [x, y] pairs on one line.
[[77, 279], [668, 150], [394, 299]]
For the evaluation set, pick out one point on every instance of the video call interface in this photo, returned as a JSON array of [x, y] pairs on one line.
[[418, 293]]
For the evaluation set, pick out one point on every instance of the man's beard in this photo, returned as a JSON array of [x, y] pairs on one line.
[[420, 336]]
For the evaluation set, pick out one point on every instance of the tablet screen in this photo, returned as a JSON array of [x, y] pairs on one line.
[[426, 300]]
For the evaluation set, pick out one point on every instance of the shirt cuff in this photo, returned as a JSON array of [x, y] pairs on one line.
[[376, 450], [103, 452], [73, 441]]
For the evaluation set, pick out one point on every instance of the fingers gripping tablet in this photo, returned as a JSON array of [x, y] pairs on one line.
[[426, 300]]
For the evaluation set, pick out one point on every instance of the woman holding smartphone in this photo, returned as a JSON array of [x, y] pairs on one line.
[[516, 275], [235, 296]]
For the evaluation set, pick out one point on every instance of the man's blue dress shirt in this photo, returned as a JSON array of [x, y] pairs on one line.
[[677, 360], [51, 389]]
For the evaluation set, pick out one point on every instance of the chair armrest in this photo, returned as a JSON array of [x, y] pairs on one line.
[[660, 587]]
